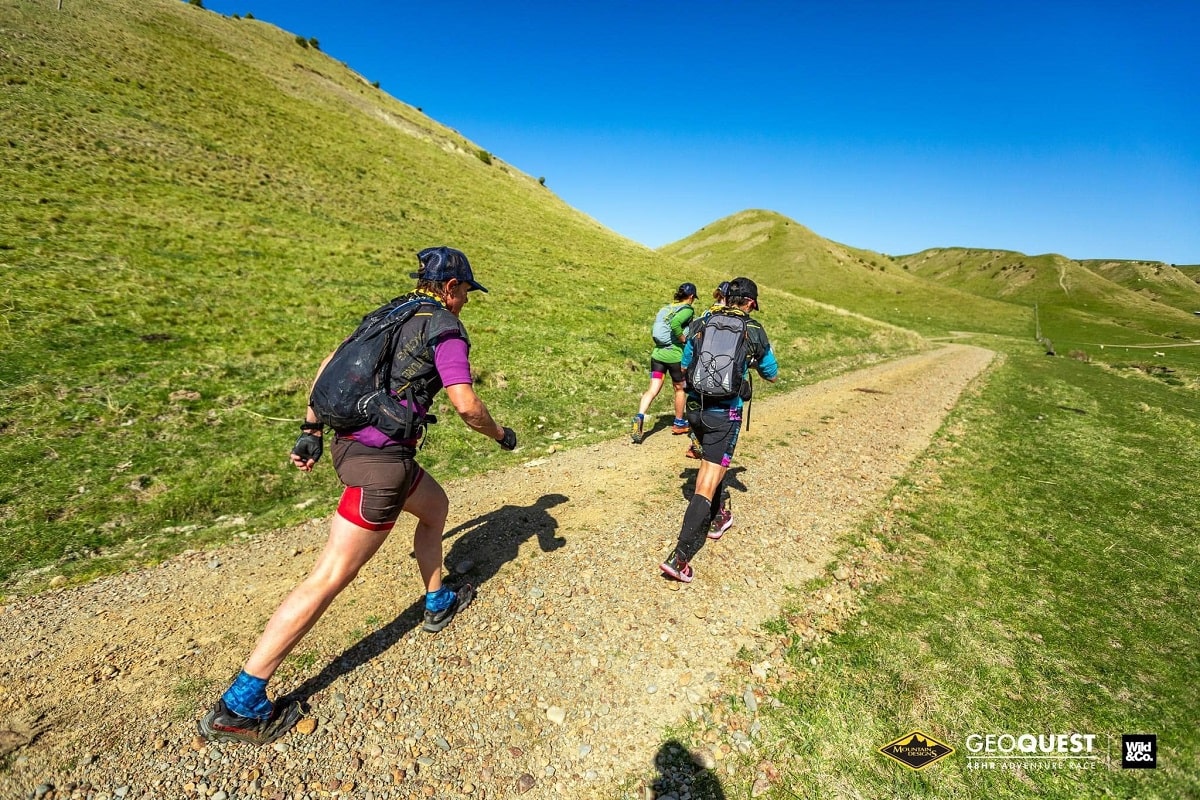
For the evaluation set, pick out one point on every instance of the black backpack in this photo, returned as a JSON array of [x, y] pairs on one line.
[[720, 344], [352, 391]]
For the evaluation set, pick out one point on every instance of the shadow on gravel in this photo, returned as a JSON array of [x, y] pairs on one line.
[[681, 773], [362, 651], [661, 422], [493, 539], [489, 541], [733, 480]]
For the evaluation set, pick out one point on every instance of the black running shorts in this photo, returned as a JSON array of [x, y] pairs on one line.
[[717, 429], [662, 368]]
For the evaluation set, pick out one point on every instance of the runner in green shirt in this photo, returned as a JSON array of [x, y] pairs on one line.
[[668, 333]]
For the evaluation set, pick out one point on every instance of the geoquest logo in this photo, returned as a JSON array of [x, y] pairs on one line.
[[1038, 750]]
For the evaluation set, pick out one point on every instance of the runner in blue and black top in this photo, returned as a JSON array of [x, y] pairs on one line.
[[717, 424]]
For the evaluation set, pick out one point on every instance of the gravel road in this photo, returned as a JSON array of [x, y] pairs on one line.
[[562, 679]]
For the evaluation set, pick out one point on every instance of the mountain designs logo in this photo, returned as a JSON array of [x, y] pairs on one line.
[[916, 751]]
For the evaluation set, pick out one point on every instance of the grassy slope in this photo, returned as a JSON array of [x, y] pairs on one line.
[[778, 252], [1079, 310], [1041, 578], [196, 209], [1159, 282]]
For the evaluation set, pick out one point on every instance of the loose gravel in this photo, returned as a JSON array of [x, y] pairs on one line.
[[561, 679]]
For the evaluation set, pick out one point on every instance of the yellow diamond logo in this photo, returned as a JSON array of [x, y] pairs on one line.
[[916, 750]]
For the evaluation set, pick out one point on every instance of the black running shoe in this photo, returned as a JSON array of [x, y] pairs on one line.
[[677, 568], [436, 620], [222, 725]]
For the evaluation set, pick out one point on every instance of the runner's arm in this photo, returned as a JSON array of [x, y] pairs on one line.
[[301, 463], [767, 367], [680, 322], [473, 411], [450, 358]]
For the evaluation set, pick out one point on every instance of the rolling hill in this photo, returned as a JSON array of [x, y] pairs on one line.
[[783, 254], [1133, 309]]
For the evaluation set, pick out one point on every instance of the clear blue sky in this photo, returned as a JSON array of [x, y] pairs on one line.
[[1033, 125]]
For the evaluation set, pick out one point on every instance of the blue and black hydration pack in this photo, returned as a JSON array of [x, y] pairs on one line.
[[720, 346], [354, 390]]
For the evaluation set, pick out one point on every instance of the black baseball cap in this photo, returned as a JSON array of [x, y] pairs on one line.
[[444, 263], [744, 287]]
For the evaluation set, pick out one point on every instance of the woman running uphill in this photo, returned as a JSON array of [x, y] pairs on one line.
[[717, 423], [667, 333], [381, 479]]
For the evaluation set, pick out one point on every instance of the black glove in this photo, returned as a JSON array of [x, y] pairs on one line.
[[509, 442], [309, 448]]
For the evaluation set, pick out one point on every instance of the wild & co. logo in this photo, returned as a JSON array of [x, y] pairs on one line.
[[1139, 751], [916, 750]]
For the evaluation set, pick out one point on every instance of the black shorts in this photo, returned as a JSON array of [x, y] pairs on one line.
[[662, 368], [717, 429], [378, 481]]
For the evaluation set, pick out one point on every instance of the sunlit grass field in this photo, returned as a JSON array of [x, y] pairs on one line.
[[1038, 577], [197, 210]]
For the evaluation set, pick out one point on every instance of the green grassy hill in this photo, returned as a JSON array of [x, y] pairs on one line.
[[1154, 280], [1094, 310], [197, 208], [783, 254], [1120, 295]]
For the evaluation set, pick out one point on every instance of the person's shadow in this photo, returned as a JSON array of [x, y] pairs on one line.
[[488, 542], [732, 481], [661, 422], [493, 539], [682, 773]]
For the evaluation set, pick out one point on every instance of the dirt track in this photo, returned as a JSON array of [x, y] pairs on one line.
[[558, 681]]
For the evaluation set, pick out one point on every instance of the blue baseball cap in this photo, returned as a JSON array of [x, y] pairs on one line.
[[444, 263]]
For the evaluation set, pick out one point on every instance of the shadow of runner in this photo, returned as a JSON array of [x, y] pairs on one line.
[[490, 541], [681, 774], [362, 651], [493, 539], [661, 422]]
